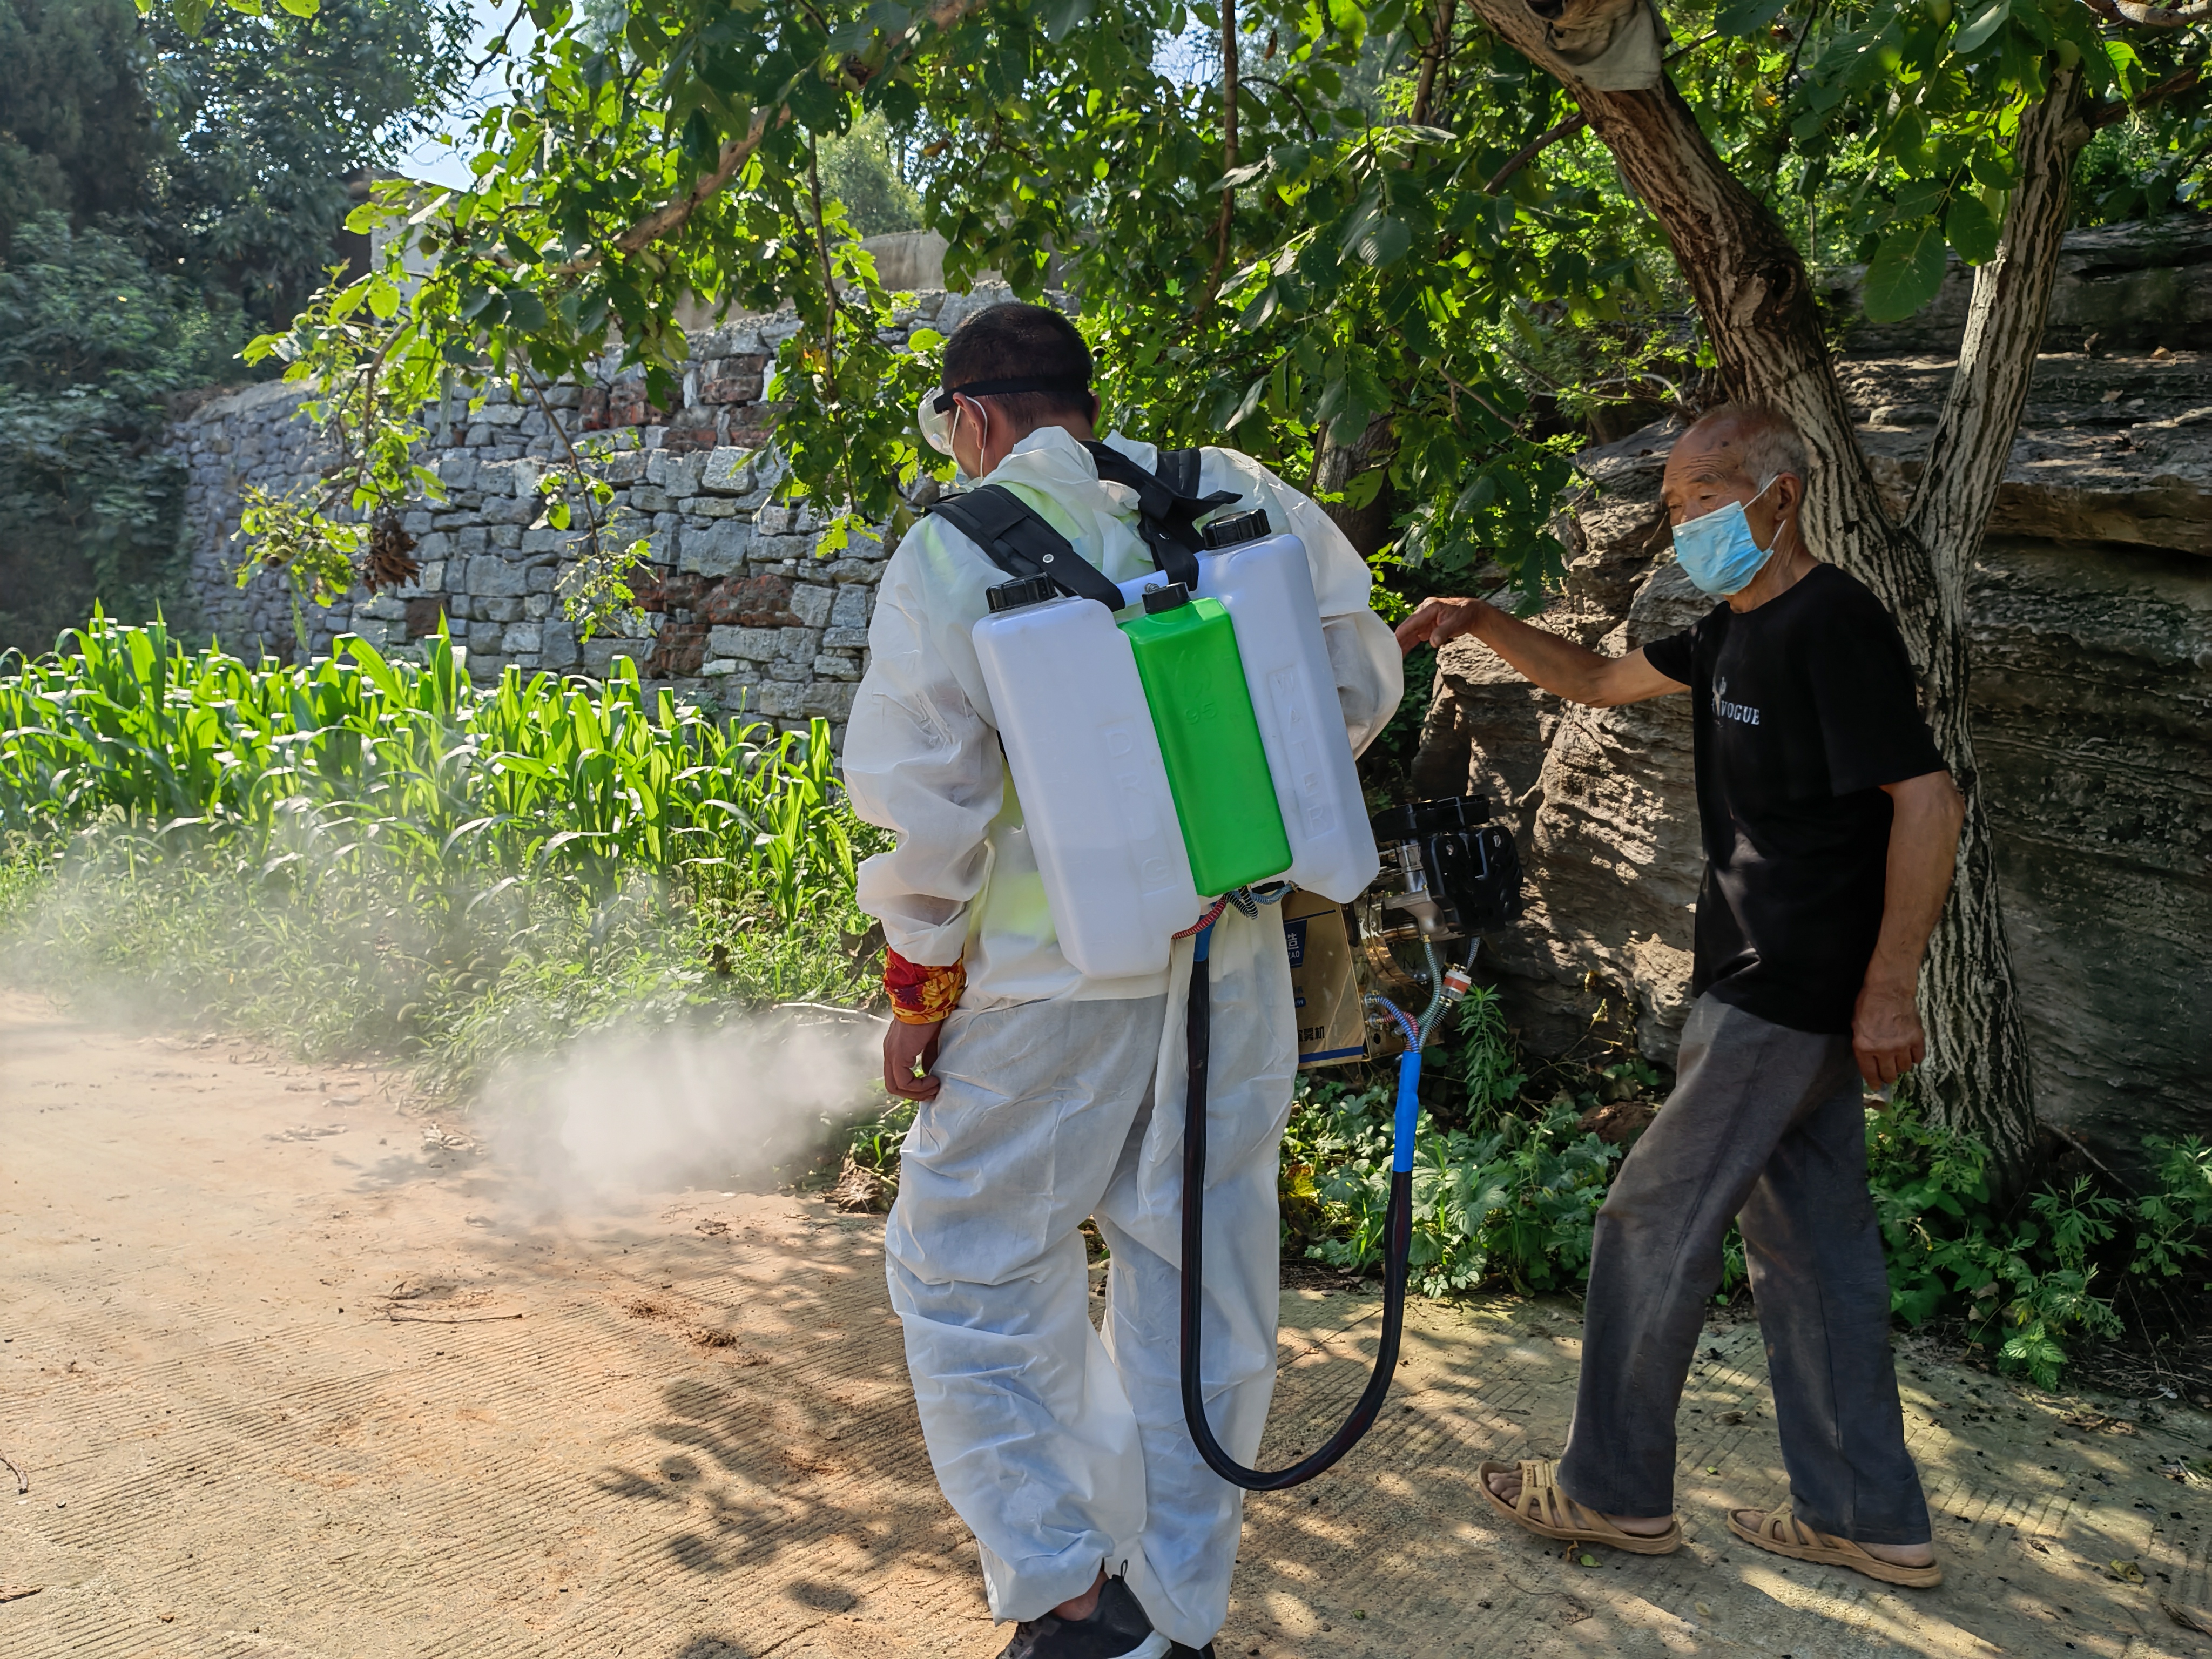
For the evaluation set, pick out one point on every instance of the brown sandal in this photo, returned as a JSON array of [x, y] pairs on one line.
[[1785, 1535], [1550, 1513]]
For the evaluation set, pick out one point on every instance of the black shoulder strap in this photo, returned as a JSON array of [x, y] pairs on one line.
[[1021, 543], [1168, 506], [1178, 471]]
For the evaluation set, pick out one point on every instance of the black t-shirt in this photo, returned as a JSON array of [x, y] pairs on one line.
[[1804, 708]]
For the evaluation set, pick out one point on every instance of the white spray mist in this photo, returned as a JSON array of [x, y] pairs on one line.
[[621, 1115]]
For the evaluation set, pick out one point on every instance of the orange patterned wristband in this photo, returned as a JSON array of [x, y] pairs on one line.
[[922, 995]]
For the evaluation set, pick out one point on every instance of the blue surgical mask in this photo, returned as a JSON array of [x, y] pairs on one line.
[[1717, 552]]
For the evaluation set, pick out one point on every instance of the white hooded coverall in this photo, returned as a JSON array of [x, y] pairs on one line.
[[1061, 1097]]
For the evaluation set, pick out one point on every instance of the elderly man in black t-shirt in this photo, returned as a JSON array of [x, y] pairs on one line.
[[1830, 826]]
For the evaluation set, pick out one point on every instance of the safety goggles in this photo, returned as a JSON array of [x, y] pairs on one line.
[[939, 411]]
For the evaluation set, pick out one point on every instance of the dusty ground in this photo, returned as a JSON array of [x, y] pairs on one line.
[[280, 1390]]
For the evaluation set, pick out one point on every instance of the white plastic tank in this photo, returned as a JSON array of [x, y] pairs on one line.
[[1266, 587], [1094, 791]]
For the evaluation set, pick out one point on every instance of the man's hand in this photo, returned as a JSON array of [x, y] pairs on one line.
[[908, 1053], [1885, 1034], [1435, 621]]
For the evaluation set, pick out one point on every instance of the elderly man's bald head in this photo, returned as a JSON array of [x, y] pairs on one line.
[[1758, 443]]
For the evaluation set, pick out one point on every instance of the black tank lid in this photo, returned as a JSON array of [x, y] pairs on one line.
[[1173, 597], [1233, 528], [1025, 589]]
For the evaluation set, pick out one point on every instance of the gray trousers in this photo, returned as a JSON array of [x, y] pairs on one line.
[[1765, 1125]]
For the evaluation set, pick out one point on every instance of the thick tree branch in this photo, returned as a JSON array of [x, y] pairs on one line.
[[2155, 17], [2005, 319], [1432, 59], [2118, 109], [1528, 152], [672, 215]]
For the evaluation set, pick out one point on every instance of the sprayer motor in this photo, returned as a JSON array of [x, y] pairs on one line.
[[1448, 874]]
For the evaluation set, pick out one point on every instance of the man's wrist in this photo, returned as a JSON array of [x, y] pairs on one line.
[[1470, 618], [1889, 982], [920, 994]]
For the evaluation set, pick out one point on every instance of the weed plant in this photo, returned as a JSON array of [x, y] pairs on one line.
[[2029, 1289]]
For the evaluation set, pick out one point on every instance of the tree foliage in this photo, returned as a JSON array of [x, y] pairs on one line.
[[155, 189], [1366, 240], [76, 124], [266, 118], [90, 344]]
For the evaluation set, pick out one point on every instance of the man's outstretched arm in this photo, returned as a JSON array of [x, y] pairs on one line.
[[1560, 667]]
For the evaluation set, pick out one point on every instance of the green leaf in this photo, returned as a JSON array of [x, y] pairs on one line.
[[191, 15], [2127, 68], [1971, 230], [525, 309], [1917, 198], [301, 7], [1747, 17], [1250, 402], [1383, 240], [1973, 36], [1992, 169], [1905, 273]]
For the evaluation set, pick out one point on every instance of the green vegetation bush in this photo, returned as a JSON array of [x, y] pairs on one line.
[[91, 505], [2024, 1288]]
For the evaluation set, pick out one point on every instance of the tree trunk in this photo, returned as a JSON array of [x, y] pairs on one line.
[[1756, 300], [1367, 528], [1977, 1059]]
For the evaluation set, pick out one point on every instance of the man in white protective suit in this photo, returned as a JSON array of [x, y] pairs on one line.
[[1048, 1097]]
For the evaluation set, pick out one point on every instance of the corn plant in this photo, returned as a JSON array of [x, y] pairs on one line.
[[544, 775]]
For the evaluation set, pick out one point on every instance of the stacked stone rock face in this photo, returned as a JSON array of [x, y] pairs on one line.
[[743, 615], [2091, 611]]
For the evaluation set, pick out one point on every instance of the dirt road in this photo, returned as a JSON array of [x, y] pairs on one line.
[[289, 1376]]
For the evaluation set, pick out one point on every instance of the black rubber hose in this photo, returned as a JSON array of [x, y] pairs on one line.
[[1397, 1233]]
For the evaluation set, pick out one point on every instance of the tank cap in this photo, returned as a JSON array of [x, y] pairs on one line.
[[1233, 528], [1027, 590], [1173, 597]]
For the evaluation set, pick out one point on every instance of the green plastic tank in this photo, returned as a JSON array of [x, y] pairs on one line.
[[1193, 681]]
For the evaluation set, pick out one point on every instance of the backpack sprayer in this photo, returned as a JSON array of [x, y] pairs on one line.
[[1178, 735]]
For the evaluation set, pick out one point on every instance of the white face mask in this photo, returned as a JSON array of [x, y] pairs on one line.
[[1718, 552], [937, 423]]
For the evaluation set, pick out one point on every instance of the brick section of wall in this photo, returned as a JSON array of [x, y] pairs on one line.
[[742, 615]]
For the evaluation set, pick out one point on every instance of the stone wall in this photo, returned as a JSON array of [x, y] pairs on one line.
[[2091, 615], [743, 615]]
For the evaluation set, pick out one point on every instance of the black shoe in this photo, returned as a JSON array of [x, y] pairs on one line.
[[1116, 1629], [1178, 1651]]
